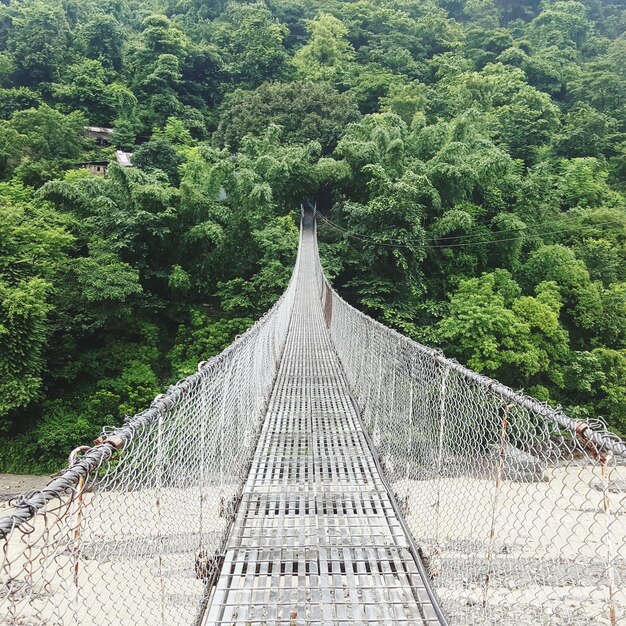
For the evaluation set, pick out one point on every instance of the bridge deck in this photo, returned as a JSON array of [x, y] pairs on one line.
[[316, 540]]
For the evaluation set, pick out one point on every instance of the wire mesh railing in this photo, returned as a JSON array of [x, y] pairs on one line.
[[518, 511], [133, 530]]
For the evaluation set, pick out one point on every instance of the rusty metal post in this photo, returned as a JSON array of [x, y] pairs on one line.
[[603, 459], [205, 413], [76, 516], [377, 406], [606, 505], [409, 439], [226, 386], [159, 504], [78, 510], [494, 511], [328, 306], [437, 560]]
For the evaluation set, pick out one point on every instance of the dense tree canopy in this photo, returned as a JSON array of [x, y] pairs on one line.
[[468, 159]]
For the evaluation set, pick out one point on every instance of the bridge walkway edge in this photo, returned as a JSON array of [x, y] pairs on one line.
[[318, 538]]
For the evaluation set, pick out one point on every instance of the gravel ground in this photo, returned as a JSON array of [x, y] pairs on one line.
[[12, 485], [550, 546]]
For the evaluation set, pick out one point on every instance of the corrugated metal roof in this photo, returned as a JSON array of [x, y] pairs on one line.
[[99, 129], [124, 158]]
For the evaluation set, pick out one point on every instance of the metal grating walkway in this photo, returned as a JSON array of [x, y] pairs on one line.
[[316, 540]]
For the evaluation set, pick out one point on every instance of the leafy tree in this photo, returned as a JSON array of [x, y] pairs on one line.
[[6, 69], [483, 12], [104, 285], [202, 75], [583, 182], [125, 133], [11, 146], [12, 100], [463, 165], [601, 87], [407, 101], [496, 330], [174, 132], [542, 71], [157, 60], [328, 56], [37, 40], [252, 41], [158, 154], [612, 400], [486, 44], [31, 245], [370, 83], [22, 334], [585, 132], [582, 297], [529, 121], [469, 154], [378, 139], [562, 23], [383, 255], [277, 243], [203, 338], [604, 260], [516, 10], [438, 33], [159, 36], [85, 89], [46, 139], [304, 111], [49, 134], [103, 40]]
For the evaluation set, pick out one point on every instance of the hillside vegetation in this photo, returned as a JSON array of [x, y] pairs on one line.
[[468, 158]]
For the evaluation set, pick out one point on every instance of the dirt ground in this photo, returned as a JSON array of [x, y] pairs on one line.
[[12, 485]]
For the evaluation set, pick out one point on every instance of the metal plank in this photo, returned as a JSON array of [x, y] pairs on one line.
[[316, 540]]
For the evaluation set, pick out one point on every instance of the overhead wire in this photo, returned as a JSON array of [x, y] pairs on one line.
[[465, 243], [486, 222], [517, 229], [504, 230]]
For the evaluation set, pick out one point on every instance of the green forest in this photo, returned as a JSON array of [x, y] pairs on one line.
[[467, 158]]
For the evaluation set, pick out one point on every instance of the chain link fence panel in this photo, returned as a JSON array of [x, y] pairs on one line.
[[132, 532], [518, 511]]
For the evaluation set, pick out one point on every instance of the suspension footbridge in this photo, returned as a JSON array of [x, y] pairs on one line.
[[326, 470]]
